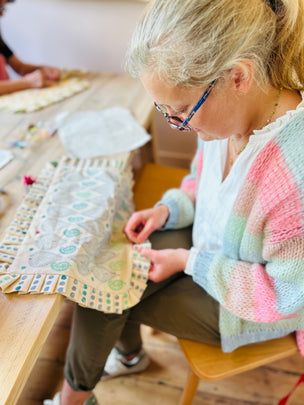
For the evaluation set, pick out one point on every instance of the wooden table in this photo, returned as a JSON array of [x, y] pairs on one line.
[[26, 320]]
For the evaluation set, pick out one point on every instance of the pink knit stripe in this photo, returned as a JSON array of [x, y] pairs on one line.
[[288, 250], [243, 204], [286, 224], [188, 184], [191, 182], [240, 281], [265, 298], [276, 188], [256, 222], [300, 341], [278, 193], [199, 164], [268, 155], [276, 183], [255, 177]]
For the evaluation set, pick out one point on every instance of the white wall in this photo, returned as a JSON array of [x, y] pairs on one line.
[[90, 34]]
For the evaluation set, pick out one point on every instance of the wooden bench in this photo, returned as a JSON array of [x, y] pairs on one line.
[[206, 362], [152, 180]]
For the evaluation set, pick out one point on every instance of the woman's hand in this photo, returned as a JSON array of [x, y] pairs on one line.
[[142, 223], [165, 262]]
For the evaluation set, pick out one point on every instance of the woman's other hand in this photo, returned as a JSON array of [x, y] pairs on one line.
[[165, 262], [142, 223]]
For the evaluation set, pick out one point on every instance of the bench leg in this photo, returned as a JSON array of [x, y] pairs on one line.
[[190, 389]]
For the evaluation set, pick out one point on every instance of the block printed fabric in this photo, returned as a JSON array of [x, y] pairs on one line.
[[36, 99], [67, 237]]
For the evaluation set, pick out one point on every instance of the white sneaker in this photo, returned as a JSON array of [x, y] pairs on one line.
[[118, 365], [56, 400]]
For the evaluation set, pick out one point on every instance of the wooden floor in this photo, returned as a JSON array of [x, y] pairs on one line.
[[163, 382]]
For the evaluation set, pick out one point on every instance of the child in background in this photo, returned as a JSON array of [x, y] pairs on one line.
[[32, 76]]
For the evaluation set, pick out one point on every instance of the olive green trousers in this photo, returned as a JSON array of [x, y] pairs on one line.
[[177, 306]]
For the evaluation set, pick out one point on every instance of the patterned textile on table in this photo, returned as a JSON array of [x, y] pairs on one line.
[[67, 236], [36, 99]]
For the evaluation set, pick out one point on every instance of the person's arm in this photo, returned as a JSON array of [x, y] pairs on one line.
[[181, 201], [259, 275], [31, 80], [255, 292], [175, 209], [32, 76], [22, 69]]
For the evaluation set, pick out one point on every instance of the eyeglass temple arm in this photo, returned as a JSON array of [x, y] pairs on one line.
[[201, 101]]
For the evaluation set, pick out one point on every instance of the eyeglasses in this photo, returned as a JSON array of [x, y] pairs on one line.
[[176, 122]]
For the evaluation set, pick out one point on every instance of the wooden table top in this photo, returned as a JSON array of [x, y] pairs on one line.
[[27, 319]]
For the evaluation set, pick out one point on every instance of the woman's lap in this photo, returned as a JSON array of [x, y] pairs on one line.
[[177, 306], [181, 308]]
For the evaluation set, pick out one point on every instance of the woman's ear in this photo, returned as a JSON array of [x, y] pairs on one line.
[[241, 76]]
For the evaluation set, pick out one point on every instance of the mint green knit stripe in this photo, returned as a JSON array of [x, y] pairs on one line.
[[213, 273], [292, 148], [290, 270], [234, 231], [181, 209], [252, 247]]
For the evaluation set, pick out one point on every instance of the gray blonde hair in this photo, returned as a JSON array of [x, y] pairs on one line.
[[192, 42]]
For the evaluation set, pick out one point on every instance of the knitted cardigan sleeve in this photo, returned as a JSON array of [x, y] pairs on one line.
[[259, 276], [181, 201]]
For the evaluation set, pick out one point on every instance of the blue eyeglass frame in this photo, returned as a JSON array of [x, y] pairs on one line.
[[184, 124]]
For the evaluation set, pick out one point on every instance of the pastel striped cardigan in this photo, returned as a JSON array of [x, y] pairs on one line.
[[258, 279]]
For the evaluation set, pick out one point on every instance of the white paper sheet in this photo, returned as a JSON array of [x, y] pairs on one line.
[[87, 134], [5, 157]]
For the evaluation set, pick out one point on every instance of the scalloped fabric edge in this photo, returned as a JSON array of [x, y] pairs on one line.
[[115, 295]]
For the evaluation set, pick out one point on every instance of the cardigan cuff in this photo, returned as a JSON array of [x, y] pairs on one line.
[[191, 261], [181, 210], [201, 268]]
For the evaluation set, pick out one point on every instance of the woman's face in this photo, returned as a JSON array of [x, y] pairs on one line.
[[217, 118]]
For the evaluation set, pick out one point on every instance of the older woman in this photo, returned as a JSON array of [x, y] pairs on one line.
[[232, 71]]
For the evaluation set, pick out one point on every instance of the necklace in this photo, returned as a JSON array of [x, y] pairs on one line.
[[236, 152], [272, 114]]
